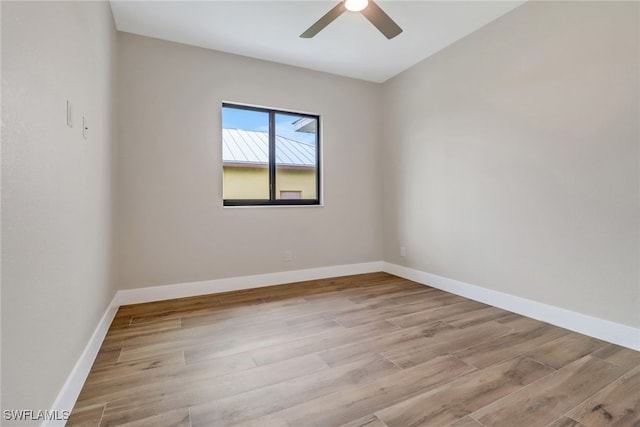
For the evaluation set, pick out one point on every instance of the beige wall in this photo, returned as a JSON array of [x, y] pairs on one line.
[[173, 226], [512, 159], [56, 192]]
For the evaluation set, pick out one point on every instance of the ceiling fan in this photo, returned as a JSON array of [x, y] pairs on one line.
[[368, 8]]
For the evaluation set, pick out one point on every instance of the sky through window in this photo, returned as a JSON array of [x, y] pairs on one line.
[[234, 118]]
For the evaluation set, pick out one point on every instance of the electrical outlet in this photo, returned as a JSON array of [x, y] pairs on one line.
[[288, 255], [403, 251]]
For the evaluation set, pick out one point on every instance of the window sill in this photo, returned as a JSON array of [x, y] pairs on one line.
[[321, 205]]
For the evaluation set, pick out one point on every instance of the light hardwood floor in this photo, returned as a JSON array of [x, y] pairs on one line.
[[369, 350]]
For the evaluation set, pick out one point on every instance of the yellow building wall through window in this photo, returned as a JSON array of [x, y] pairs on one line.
[[253, 182]]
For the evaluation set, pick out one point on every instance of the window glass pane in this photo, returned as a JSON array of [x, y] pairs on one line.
[[296, 139], [245, 153]]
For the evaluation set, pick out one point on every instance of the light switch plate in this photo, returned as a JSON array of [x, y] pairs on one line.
[[69, 114]]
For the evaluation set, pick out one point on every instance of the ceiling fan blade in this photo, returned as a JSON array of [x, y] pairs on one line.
[[381, 20], [327, 19]]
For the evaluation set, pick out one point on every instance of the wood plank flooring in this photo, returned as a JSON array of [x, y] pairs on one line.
[[369, 350]]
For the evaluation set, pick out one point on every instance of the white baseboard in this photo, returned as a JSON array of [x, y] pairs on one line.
[[68, 395], [606, 330], [159, 293]]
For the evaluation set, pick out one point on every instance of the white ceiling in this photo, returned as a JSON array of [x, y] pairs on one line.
[[350, 46]]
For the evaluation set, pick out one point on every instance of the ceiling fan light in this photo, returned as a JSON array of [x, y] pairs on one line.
[[356, 5]]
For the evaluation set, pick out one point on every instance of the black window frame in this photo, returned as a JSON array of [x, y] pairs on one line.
[[272, 200]]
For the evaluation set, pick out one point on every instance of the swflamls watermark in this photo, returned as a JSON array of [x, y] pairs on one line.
[[35, 415]]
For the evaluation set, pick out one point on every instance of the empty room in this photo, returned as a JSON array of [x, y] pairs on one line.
[[320, 213]]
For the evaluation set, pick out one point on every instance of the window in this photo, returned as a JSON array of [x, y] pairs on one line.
[[269, 157]]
